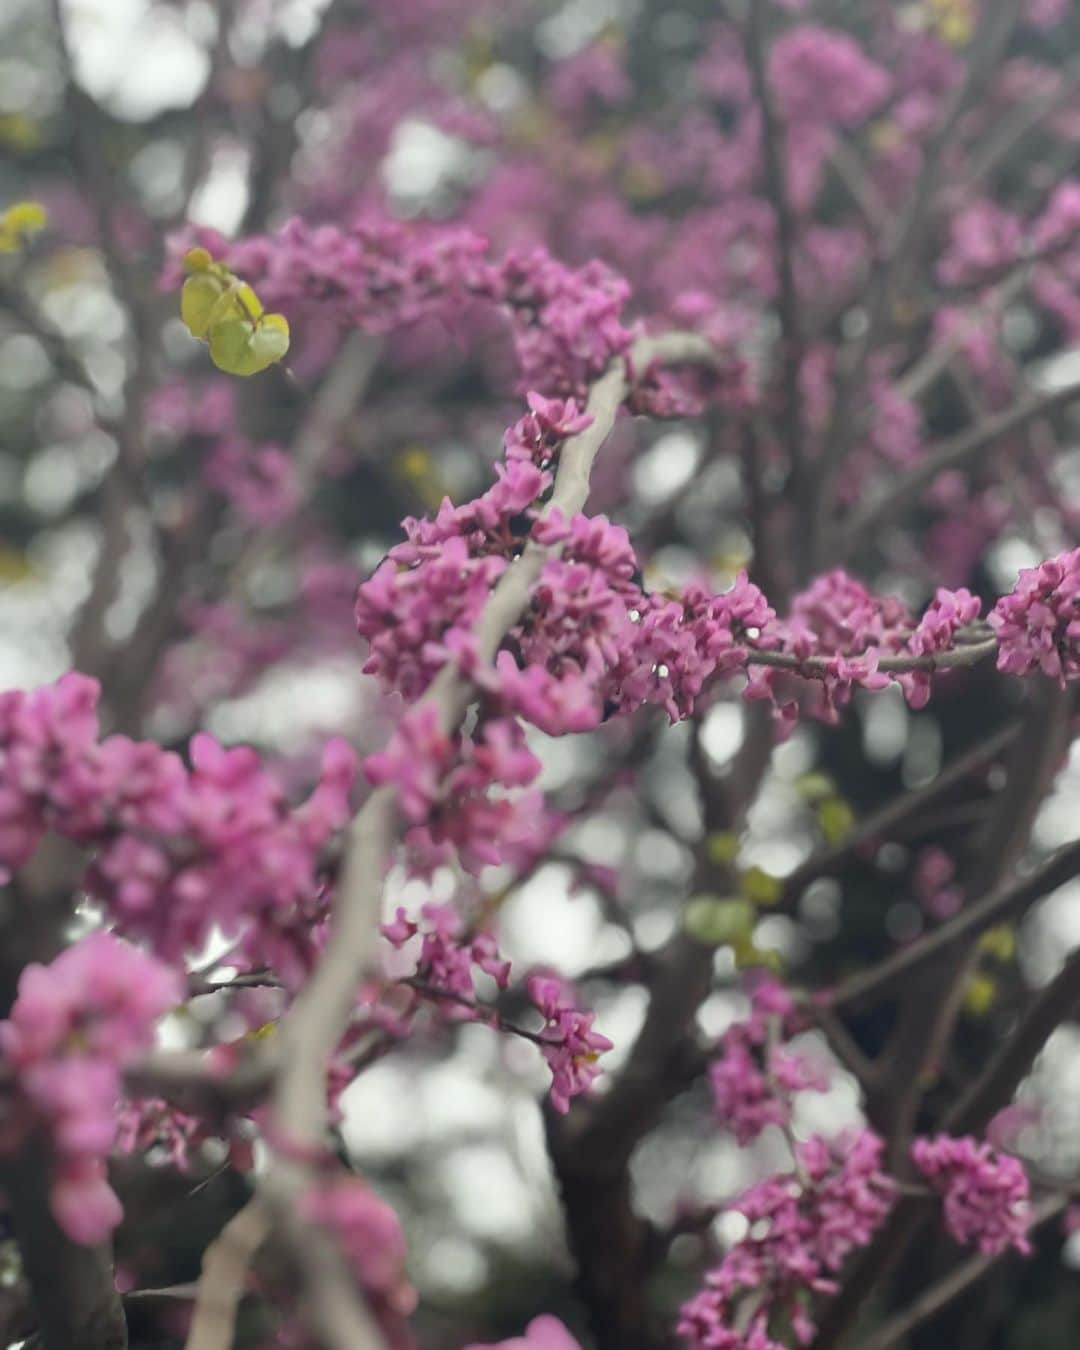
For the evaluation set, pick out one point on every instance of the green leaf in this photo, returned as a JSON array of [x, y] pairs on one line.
[[240, 347], [837, 820], [199, 298], [19, 223], [722, 847], [757, 885], [814, 787], [713, 921], [748, 955]]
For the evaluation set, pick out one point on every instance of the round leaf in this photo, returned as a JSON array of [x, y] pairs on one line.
[[198, 300], [239, 347], [714, 921]]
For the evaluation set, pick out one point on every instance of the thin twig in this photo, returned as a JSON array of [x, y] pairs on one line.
[[1007, 901], [990, 42], [791, 343], [956, 453]]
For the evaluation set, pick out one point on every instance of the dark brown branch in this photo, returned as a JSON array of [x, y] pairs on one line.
[[957, 453], [945, 1290], [932, 1001], [1007, 901], [880, 823], [791, 341], [995, 1086], [76, 1304], [995, 28]]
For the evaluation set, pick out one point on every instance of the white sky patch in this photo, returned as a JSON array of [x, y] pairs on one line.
[[135, 58]]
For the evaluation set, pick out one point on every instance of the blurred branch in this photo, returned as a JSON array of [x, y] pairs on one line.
[[878, 824], [956, 453], [225, 1266], [314, 1025], [791, 342], [996, 24], [945, 1290], [932, 1001], [1005, 902], [1010, 130], [995, 1086], [76, 1304]]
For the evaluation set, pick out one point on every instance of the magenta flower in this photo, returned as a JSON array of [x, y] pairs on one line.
[[542, 1333], [1038, 625], [985, 1192]]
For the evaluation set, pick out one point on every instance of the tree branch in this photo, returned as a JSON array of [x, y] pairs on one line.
[[316, 1021], [1005, 902], [76, 1304], [225, 1266], [956, 453], [995, 28], [945, 1290], [791, 343], [995, 1086]]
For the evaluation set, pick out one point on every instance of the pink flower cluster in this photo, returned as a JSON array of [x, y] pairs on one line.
[[1038, 624], [823, 77], [985, 1192], [146, 1125], [73, 1027], [836, 620], [259, 481], [567, 1040], [935, 883], [369, 1235], [542, 1333], [177, 850], [444, 787], [802, 1228], [383, 275], [753, 1077], [448, 953], [986, 240]]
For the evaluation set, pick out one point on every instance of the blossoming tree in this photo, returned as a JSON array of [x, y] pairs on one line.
[[770, 307]]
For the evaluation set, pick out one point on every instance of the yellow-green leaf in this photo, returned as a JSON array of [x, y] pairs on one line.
[[999, 942], [747, 954], [247, 302], [199, 298], [836, 819], [713, 921], [981, 994], [198, 260], [240, 347], [19, 223], [722, 847], [815, 787], [757, 885]]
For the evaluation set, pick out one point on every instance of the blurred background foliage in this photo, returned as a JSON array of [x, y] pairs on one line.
[[233, 115]]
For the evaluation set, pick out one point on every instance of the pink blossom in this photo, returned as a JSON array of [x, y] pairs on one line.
[[259, 481], [567, 1041], [985, 1193], [985, 240], [542, 1333], [73, 1027], [1038, 624], [370, 1236], [803, 1227], [823, 76], [178, 849], [754, 1075]]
